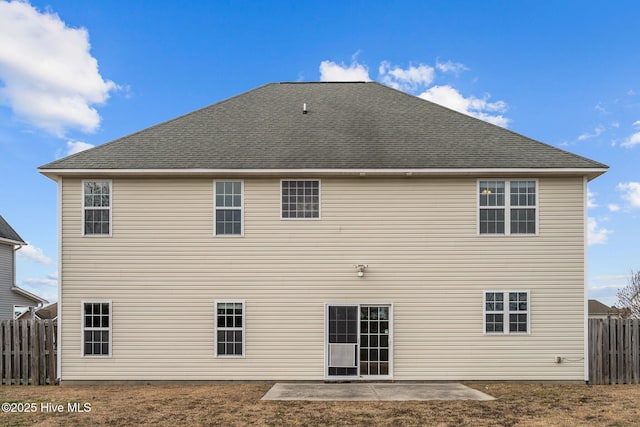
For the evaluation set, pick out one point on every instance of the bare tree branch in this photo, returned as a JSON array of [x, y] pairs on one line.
[[629, 296]]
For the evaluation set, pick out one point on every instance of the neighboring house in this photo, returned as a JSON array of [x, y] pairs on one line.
[[598, 310], [49, 312], [323, 231], [12, 297]]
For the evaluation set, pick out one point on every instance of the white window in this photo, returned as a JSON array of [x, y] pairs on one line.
[[229, 208], [300, 199], [229, 328], [96, 328], [96, 202], [506, 312], [507, 207]]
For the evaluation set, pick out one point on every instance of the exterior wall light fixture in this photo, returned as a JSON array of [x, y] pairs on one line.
[[360, 269]]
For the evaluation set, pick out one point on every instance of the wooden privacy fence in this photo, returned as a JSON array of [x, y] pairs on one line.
[[614, 351], [28, 350]]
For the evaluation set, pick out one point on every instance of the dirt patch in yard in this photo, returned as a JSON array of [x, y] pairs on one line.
[[240, 404]]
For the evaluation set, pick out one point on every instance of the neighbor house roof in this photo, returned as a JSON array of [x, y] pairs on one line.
[[347, 126], [44, 313], [597, 308], [8, 234]]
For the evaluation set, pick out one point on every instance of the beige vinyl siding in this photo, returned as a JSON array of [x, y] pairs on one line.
[[163, 268]]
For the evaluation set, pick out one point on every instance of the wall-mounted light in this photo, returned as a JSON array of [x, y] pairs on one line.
[[486, 191], [360, 269]]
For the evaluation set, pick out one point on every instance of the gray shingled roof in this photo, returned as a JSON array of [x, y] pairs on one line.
[[8, 233], [348, 126], [596, 307]]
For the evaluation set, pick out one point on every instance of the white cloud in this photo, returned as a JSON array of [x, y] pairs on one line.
[[33, 253], [632, 141], [36, 282], [418, 78], [47, 287], [636, 123], [406, 80], [596, 235], [596, 132], [630, 192], [591, 199], [74, 147], [472, 106], [598, 107], [332, 72], [613, 207], [48, 75], [614, 281], [450, 67]]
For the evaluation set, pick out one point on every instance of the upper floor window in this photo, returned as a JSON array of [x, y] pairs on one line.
[[507, 207], [96, 219], [300, 199], [506, 312], [229, 208]]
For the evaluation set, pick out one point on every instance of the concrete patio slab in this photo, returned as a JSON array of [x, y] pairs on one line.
[[373, 391]]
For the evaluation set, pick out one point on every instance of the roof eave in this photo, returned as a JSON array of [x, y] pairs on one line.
[[29, 295], [590, 173], [6, 241]]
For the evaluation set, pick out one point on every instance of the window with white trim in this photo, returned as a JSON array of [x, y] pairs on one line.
[[506, 312], [228, 208], [230, 328], [507, 207], [96, 328], [300, 199], [96, 202]]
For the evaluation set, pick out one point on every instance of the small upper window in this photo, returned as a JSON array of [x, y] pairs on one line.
[[96, 218], [228, 207], [507, 207], [300, 199]]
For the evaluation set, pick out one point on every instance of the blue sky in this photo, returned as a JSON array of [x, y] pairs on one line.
[[78, 74]]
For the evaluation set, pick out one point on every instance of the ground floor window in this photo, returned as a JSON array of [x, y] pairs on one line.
[[230, 328], [506, 312], [96, 328]]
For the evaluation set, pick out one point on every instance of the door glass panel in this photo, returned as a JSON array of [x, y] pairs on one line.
[[374, 340], [343, 329]]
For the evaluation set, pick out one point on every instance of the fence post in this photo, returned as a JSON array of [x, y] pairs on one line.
[[635, 345]]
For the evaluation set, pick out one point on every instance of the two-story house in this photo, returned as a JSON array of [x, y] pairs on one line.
[[13, 299], [322, 231]]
